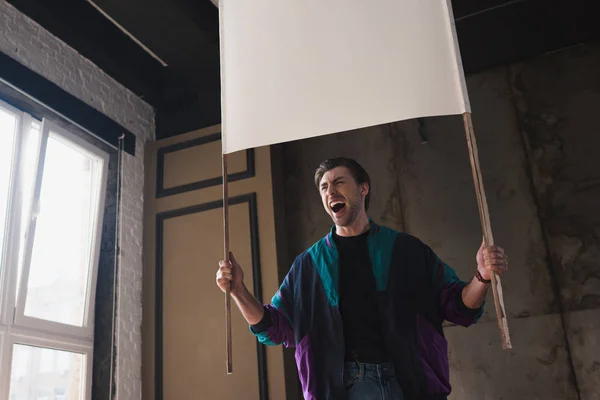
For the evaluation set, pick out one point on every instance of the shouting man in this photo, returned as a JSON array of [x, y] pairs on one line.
[[364, 306]]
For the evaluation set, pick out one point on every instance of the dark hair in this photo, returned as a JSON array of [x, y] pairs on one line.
[[358, 172]]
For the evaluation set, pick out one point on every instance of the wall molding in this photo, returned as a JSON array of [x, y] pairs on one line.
[[249, 198], [249, 172]]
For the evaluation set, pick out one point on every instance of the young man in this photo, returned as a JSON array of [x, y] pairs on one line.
[[364, 306]]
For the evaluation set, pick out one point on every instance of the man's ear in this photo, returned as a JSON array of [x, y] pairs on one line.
[[364, 189]]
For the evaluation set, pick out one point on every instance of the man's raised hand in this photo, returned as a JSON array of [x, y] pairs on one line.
[[230, 272]]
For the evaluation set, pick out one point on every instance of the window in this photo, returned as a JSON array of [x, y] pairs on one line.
[[52, 191]]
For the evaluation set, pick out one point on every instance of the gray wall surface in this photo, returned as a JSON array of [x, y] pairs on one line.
[[538, 136]]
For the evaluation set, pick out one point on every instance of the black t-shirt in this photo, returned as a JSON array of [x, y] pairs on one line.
[[363, 333]]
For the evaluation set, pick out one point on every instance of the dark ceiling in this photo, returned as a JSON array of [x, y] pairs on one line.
[[184, 35]]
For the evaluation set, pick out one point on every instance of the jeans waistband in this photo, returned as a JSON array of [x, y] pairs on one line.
[[358, 370]]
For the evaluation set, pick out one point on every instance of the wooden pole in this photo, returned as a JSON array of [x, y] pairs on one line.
[[486, 226], [226, 251]]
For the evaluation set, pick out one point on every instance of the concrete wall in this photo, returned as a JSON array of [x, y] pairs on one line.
[[537, 135], [27, 42], [557, 101]]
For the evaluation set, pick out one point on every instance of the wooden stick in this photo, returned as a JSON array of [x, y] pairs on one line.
[[486, 226], [226, 251]]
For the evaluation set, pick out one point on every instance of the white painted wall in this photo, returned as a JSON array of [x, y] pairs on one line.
[[30, 44]]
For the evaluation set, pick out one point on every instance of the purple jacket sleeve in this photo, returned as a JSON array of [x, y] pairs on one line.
[[448, 288], [276, 327]]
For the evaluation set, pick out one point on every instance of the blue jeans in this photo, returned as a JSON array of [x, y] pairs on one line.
[[371, 381]]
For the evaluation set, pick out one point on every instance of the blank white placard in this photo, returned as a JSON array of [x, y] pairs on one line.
[[294, 69]]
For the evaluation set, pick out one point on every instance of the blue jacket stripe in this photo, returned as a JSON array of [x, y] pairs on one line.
[[325, 259]]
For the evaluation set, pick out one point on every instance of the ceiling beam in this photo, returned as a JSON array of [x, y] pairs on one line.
[[520, 30], [82, 27]]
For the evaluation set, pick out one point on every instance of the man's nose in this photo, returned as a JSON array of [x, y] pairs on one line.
[[331, 190]]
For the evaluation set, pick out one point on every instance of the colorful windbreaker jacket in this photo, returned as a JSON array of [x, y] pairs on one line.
[[416, 293]]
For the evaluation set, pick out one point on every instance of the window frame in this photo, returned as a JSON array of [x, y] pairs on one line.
[[8, 257], [22, 320], [9, 284], [4, 363], [46, 341], [15, 326]]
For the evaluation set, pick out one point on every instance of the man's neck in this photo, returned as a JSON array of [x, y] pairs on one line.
[[359, 226]]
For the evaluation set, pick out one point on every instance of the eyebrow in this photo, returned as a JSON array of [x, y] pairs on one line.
[[336, 180]]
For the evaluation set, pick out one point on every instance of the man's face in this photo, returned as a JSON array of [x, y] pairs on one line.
[[342, 197]]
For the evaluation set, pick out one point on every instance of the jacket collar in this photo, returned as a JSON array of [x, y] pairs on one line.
[[329, 238]]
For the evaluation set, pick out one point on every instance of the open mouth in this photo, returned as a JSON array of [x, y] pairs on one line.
[[337, 206]]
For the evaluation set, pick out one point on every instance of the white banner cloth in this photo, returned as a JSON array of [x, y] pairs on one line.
[[295, 69]]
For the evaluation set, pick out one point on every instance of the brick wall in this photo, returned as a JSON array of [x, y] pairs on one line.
[[27, 42]]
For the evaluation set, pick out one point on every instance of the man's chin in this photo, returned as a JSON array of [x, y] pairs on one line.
[[343, 221]]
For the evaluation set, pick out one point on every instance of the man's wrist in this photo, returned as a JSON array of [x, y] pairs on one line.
[[240, 292], [481, 278]]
